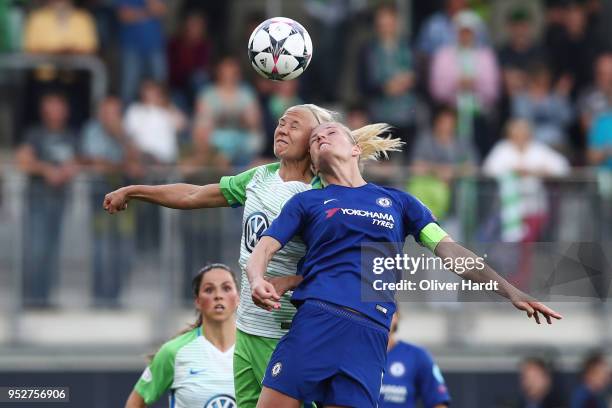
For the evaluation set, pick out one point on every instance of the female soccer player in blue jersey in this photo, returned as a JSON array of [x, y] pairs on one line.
[[335, 351], [411, 376], [262, 191]]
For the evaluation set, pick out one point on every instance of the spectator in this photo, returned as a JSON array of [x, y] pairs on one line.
[[520, 52], [387, 77], [600, 142], [529, 159], [466, 76], [189, 56], [329, 24], [58, 28], [438, 158], [284, 95], [537, 386], [597, 98], [548, 111], [153, 124], [595, 378], [142, 44], [229, 117], [109, 155], [48, 157], [357, 116], [573, 46], [439, 31]]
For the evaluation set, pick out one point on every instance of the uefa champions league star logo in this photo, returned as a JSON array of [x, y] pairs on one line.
[[254, 226], [221, 401], [276, 369], [383, 202]]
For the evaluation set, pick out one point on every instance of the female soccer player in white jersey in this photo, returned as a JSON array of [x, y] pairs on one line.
[[335, 351], [196, 366], [262, 191]]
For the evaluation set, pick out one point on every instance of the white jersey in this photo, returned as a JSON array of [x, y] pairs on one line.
[[197, 374], [263, 194]]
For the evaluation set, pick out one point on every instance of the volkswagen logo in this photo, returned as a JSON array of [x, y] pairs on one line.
[[254, 226], [221, 401]]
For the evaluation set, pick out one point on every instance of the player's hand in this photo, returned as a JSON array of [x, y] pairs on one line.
[[534, 309], [284, 283], [115, 201], [264, 295]]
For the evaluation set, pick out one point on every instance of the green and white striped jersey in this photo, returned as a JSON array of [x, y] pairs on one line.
[[197, 374], [263, 193]]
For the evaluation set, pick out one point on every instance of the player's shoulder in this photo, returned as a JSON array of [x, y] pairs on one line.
[[396, 193], [266, 170], [413, 350], [170, 348]]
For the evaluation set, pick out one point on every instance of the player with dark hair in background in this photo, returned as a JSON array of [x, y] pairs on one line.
[[335, 351], [196, 366], [594, 380], [411, 376]]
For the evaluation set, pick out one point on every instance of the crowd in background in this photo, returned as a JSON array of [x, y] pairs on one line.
[[183, 98], [536, 105]]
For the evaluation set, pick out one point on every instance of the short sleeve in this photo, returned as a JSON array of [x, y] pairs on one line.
[[416, 216], [233, 188], [289, 222], [157, 377], [430, 383]]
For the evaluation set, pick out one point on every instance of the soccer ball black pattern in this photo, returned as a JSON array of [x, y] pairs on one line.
[[280, 49]]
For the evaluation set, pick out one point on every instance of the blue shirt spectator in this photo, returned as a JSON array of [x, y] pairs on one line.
[[600, 141], [142, 43], [142, 31]]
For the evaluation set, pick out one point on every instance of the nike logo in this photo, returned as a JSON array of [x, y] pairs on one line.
[[331, 199], [194, 372]]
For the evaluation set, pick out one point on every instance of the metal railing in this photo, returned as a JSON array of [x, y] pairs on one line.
[[142, 259]]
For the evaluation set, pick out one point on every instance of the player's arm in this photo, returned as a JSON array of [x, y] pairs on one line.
[[230, 191], [135, 401], [421, 224], [288, 223], [263, 292], [180, 196], [447, 248]]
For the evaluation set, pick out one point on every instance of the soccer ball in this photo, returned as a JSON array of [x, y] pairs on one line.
[[280, 49]]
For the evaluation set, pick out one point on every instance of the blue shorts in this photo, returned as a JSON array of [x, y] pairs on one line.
[[330, 356]]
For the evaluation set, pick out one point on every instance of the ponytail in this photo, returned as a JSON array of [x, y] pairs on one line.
[[372, 142]]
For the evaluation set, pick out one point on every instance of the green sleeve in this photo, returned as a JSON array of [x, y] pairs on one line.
[[157, 377], [233, 188], [431, 235]]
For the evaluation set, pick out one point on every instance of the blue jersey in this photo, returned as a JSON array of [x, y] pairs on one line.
[[333, 223], [411, 375]]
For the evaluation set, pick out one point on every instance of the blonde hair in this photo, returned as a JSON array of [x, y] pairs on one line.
[[372, 142], [322, 115]]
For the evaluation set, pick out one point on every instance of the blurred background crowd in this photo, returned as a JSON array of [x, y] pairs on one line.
[[505, 108]]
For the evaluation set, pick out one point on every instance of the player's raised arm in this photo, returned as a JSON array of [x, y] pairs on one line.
[[263, 292], [448, 248], [230, 191], [180, 196]]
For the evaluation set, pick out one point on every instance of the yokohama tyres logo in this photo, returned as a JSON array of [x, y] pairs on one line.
[[360, 213]]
